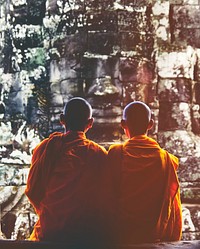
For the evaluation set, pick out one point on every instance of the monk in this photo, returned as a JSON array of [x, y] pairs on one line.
[[65, 178], [145, 185]]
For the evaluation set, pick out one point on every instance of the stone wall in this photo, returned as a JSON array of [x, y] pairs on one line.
[[109, 52]]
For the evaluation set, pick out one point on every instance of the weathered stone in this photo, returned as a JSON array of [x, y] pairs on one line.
[[187, 36], [13, 175], [186, 24], [179, 142], [195, 119], [6, 135], [186, 16], [129, 42], [30, 38], [129, 20], [135, 91], [176, 64], [197, 67], [101, 43], [160, 9], [104, 132], [154, 130], [96, 67], [136, 80], [174, 90], [62, 70], [105, 21], [32, 12], [71, 45], [190, 195], [188, 226], [174, 116], [128, 69], [70, 88], [196, 94], [25, 220], [189, 169], [182, 2]]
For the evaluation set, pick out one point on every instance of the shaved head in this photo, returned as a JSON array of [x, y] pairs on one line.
[[77, 112], [137, 116]]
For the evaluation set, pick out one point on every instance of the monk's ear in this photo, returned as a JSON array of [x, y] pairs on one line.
[[62, 119], [150, 125], [90, 122], [123, 124]]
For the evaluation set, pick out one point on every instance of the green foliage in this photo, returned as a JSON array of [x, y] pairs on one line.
[[36, 57]]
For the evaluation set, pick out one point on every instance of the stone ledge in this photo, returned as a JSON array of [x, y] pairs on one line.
[[13, 244]]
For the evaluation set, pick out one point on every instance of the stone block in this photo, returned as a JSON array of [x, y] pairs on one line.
[[6, 136], [18, 217], [189, 170], [196, 93], [174, 90], [63, 69], [135, 3], [176, 64], [189, 231], [160, 8], [133, 91], [98, 5], [71, 45], [99, 66], [185, 22], [179, 142], [174, 116], [190, 195], [129, 20], [186, 16], [70, 88], [29, 13], [105, 21], [186, 2], [106, 133], [154, 130], [53, 8], [195, 119], [186, 36], [130, 42], [101, 43], [141, 71], [13, 175], [27, 36], [197, 66]]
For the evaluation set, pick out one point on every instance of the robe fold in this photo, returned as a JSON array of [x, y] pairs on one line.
[[146, 192], [63, 186]]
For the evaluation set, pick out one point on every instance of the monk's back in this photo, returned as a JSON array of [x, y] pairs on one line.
[[69, 207], [141, 163]]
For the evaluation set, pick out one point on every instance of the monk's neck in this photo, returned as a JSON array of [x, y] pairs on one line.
[[134, 135]]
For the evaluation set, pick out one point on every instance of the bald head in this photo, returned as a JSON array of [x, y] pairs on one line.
[[137, 116], [77, 113]]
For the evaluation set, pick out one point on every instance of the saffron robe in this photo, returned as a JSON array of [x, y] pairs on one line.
[[145, 190], [63, 187]]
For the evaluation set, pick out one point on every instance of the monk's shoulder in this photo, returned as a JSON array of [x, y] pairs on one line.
[[115, 149], [42, 145], [96, 147], [171, 158]]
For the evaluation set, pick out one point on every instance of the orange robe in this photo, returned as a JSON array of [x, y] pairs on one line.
[[63, 186], [146, 192]]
